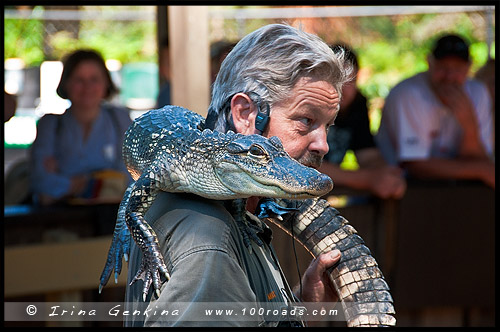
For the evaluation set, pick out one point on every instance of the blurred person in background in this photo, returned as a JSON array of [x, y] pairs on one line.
[[164, 66], [72, 151], [218, 52], [10, 105], [486, 74], [438, 124], [351, 131]]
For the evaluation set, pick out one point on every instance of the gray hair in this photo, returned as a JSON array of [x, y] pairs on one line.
[[267, 63]]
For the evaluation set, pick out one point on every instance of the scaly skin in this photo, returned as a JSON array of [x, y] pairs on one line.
[[165, 150], [362, 290]]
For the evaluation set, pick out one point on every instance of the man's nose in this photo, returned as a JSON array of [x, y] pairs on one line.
[[319, 144]]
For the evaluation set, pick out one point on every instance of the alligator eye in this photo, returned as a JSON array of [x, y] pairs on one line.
[[257, 151]]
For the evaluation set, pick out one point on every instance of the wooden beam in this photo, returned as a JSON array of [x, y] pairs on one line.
[[161, 34], [57, 267], [189, 57]]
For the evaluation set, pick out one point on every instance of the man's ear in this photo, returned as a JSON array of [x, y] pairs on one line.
[[243, 112]]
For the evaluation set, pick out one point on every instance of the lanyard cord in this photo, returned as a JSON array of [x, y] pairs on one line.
[[290, 295], [297, 263]]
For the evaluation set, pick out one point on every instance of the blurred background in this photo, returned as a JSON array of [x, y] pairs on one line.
[[391, 43]]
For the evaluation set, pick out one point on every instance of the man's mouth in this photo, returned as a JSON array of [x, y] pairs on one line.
[[311, 160]]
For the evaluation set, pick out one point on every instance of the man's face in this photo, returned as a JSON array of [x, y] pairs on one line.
[[448, 70], [302, 120]]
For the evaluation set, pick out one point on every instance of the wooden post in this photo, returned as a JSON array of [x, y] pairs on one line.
[[189, 57], [161, 35]]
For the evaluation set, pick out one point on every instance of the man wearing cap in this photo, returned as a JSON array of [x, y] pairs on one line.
[[437, 124]]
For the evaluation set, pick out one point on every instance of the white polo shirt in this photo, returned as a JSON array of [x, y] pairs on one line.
[[416, 125]]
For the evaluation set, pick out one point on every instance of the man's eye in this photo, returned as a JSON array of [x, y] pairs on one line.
[[257, 151], [306, 121]]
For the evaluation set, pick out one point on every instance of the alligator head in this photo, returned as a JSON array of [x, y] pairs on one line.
[[260, 166]]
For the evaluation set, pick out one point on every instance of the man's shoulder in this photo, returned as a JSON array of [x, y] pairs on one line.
[[476, 87], [414, 89], [187, 218], [166, 202], [410, 83]]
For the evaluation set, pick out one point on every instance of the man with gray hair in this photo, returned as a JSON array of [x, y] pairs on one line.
[[277, 81]]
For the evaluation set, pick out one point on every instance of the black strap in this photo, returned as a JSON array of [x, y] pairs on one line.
[[288, 291]]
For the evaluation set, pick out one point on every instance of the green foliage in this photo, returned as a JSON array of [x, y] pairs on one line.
[[124, 41], [395, 48], [389, 48], [380, 25], [127, 41], [24, 39], [387, 64], [479, 55]]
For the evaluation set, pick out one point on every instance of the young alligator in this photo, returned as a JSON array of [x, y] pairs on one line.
[[166, 149]]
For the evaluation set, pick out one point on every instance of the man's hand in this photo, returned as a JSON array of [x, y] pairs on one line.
[[454, 97], [458, 102], [487, 172], [387, 182], [316, 285]]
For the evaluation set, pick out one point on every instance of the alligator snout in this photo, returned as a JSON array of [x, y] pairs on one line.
[[321, 184]]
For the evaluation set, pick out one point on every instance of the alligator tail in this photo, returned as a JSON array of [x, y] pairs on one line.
[[362, 290]]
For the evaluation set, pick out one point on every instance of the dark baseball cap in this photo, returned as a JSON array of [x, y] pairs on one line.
[[451, 45]]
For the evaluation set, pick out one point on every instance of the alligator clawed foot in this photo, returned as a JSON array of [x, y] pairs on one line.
[[120, 246], [152, 268]]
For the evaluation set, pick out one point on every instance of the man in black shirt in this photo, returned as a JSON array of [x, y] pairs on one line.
[[352, 132]]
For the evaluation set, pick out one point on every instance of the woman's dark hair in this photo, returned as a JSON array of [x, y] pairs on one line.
[[73, 60]]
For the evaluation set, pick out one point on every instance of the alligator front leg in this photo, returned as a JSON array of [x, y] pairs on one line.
[[141, 198], [120, 245]]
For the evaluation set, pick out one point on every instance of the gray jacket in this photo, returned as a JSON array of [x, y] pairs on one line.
[[209, 266]]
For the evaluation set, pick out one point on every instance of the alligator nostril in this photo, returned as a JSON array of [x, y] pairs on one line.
[[323, 182]]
